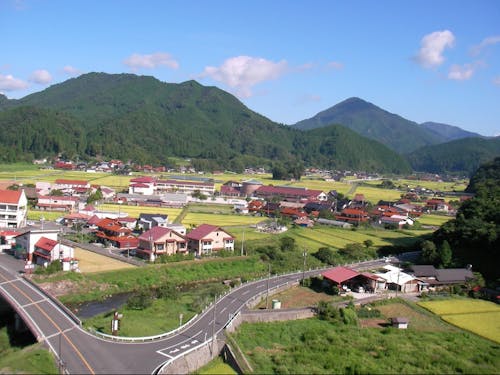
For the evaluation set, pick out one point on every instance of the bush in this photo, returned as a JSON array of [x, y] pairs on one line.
[[53, 267], [349, 316], [368, 312], [140, 301]]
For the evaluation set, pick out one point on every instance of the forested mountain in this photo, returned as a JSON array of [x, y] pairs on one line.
[[474, 236], [463, 155], [448, 132], [373, 122], [140, 118]]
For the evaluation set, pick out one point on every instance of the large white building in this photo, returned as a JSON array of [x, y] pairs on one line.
[[13, 208]]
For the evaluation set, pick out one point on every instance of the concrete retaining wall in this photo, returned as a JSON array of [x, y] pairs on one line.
[[192, 361]]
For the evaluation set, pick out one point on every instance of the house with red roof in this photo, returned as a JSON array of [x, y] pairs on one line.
[[207, 238], [160, 241], [57, 203], [71, 186], [111, 231], [293, 194], [353, 216], [47, 250], [13, 208]]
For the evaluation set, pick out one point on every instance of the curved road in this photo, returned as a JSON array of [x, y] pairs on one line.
[[82, 353]]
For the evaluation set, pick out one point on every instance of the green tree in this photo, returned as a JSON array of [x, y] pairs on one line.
[[429, 252], [445, 254]]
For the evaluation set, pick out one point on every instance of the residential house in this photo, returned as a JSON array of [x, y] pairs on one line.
[[57, 203], [71, 186], [148, 221], [47, 250], [437, 204], [160, 241], [231, 189], [184, 186], [432, 277], [25, 241], [13, 208], [292, 194], [110, 231], [142, 185], [8, 239], [398, 280], [353, 216], [207, 238]]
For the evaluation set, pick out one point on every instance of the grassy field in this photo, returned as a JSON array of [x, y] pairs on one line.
[[20, 359], [434, 220], [83, 287], [91, 262], [46, 215], [135, 211], [216, 367], [477, 316], [195, 218], [320, 347], [374, 194]]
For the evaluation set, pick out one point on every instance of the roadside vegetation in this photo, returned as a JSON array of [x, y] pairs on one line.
[[338, 343], [19, 354]]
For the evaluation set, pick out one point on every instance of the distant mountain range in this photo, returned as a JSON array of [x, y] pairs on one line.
[[396, 132], [140, 118]]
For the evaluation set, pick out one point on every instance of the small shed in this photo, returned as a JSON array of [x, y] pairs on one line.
[[400, 322]]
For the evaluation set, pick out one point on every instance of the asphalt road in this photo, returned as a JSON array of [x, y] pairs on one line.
[[82, 352]]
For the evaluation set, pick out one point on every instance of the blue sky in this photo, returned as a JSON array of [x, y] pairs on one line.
[[288, 60]]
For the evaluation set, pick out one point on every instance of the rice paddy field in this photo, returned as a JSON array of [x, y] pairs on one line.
[[434, 220], [196, 218], [89, 262], [135, 211], [477, 316]]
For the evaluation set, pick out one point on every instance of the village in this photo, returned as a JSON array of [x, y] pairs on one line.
[[150, 236]]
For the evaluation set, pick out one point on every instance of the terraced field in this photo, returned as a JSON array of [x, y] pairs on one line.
[[477, 316]]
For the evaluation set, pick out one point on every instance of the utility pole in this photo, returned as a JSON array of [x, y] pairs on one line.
[[242, 242], [267, 294]]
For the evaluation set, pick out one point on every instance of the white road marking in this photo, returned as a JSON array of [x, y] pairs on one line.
[[33, 303], [185, 346]]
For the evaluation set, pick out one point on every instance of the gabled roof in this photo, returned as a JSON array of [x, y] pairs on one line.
[[202, 231], [46, 244], [340, 274], [71, 182], [424, 270], [156, 233], [10, 196], [94, 220], [453, 275]]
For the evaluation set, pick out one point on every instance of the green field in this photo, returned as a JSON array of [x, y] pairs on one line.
[[313, 346], [216, 367], [195, 218], [135, 211], [478, 316], [434, 220]]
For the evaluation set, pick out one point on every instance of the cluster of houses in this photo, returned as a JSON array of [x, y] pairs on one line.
[[157, 236], [418, 278]]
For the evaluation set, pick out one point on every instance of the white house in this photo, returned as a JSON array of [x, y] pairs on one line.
[[47, 250], [28, 239], [13, 208]]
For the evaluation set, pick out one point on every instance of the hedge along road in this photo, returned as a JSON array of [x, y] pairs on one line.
[[83, 353]]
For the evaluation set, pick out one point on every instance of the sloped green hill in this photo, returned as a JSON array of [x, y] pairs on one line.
[[29, 132], [140, 118], [463, 155], [373, 122]]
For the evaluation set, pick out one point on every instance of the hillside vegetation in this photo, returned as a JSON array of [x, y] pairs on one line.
[[140, 118]]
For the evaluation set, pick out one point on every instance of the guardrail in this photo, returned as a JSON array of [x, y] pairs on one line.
[[145, 338], [59, 304]]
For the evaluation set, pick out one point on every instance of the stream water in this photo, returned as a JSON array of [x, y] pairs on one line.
[[90, 309]]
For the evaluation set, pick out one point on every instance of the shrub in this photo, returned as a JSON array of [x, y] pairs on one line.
[[140, 301], [368, 312]]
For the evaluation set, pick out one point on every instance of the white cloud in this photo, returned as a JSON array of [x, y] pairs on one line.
[[432, 48], [335, 65], [136, 61], [476, 50], [461, 73], [9, 83], [243, 72], [71, 70], [41, 77], [496, 81]]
